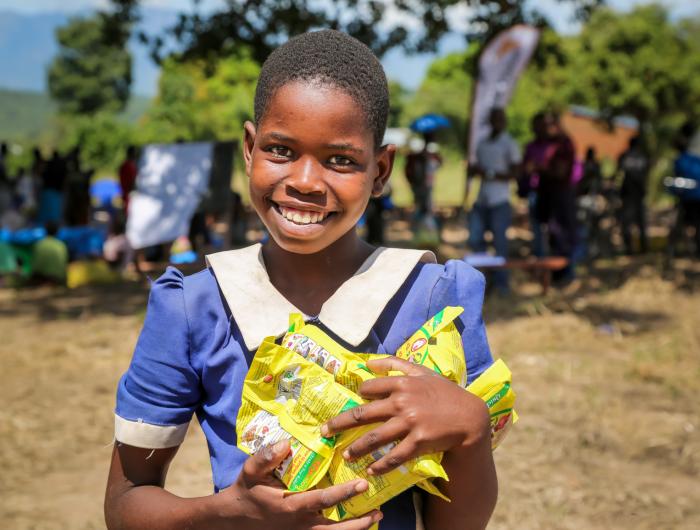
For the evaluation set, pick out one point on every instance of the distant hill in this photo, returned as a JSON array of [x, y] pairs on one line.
[[28, 44], [25, 114]]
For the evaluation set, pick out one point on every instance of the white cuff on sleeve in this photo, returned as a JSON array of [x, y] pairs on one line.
[[148, 436]]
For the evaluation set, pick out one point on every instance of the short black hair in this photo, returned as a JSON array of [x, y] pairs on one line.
[[332, 58]]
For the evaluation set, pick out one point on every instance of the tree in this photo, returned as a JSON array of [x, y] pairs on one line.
[[644, 65], [263, 24], [92, 71], [200, 101], [446, 89]]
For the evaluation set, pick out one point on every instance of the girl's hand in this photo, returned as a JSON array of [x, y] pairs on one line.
[[258, 500], [424, 410]]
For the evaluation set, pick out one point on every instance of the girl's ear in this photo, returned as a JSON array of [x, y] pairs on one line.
[[385, 163], [248, 143]]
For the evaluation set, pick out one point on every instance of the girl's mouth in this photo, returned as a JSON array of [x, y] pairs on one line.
[[301, 217]]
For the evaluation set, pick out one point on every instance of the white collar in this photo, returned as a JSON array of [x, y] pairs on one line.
[[260, 310]]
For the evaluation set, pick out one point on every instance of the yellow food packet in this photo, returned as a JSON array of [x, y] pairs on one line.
[[287, 397], [382, 488], [311, 342], [438, 345], [494, 387]]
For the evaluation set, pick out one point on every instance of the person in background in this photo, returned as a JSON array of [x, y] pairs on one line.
[[588, 191], [53, 180], [3, 161], [77, 211], [26, 191], [50, 258], [634, 166], [117, 251], [497, 164], [5, 185], [556, 201], [415, 171], [127, 176], [687, 165], [533, 162]]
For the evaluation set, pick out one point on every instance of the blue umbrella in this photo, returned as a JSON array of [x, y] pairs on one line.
[[429, 123]]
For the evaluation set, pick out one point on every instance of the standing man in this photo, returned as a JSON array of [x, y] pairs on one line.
[[634, 166], [497, 164]]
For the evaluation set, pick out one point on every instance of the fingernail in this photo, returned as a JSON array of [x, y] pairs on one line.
[[279, 446], [361, 486], [370, 471], [325, 431], [378, 517], [346, 455]]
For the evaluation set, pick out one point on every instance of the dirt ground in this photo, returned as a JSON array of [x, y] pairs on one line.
[[607, 373]]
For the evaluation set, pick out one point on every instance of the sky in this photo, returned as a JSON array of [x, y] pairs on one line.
[[408, 70]]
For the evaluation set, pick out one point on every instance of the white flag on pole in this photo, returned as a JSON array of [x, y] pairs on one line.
[[500, 66]]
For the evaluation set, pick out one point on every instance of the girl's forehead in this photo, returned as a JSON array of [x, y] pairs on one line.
[[302, 104]]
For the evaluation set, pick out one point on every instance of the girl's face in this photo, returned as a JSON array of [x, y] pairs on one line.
[[312, 166]]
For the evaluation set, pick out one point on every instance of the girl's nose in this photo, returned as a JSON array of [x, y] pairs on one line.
[[307, 177]]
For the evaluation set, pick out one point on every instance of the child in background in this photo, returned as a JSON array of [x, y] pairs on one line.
[[313, 158], [50, 263]]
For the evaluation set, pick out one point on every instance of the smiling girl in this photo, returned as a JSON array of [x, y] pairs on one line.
[[313, 157]]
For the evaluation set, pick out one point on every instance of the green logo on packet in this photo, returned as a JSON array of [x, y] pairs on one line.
[[496, 398], [437, 319]]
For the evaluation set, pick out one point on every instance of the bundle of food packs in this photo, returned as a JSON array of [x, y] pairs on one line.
[[293, 388], [349, 369]]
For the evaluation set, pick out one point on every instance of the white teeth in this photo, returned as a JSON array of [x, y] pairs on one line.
[[302, 218]]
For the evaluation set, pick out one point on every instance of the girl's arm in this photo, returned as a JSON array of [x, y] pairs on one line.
[[135, 498], [473, 486]]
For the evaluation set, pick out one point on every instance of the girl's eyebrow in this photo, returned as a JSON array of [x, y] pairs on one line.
[[345, 147], [338, 147]]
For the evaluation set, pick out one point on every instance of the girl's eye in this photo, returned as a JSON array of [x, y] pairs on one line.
[[279, 151], [338, 160]]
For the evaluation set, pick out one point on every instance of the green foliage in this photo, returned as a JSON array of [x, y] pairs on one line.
[[263, 24], [642, 64], [199, 102], [92, 71], [398, 98], [102, 138], [446, 89]]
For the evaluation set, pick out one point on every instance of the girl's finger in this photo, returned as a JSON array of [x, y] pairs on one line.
[[320, 499], [389, 364], [384, 434], [259, 467], [364, 414], [399, 455], [359, 523]]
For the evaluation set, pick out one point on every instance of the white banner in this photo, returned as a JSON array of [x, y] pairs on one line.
[[500, 66], [171, 182]]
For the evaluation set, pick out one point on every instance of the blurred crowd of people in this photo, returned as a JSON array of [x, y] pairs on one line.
[[568, 201]]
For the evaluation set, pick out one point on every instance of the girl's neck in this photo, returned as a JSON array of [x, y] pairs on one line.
[[308, 280]]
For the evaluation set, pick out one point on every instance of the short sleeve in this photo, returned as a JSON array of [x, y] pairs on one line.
[[462, 285], [160, 391]]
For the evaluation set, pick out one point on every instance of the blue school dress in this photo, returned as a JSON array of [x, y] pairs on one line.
[[201, 332]]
